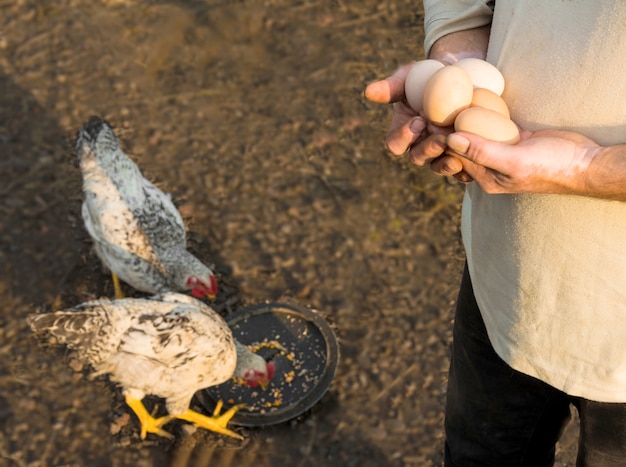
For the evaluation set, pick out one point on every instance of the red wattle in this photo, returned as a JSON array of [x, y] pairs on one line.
[[271, 369]]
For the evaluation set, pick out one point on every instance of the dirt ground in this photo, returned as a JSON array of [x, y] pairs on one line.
[[251, 114]]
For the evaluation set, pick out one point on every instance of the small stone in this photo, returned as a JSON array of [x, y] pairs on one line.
[[189, 430], [119, 423], [76, 365]]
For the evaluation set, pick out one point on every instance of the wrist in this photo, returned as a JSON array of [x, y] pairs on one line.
[[605, 173], [470, 43]]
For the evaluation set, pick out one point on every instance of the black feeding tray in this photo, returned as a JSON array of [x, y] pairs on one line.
[[304, 350]]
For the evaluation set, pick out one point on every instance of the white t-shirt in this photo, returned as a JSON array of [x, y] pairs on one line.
[[549, 271]]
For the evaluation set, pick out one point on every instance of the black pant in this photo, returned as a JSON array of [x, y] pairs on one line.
[[496, 416]]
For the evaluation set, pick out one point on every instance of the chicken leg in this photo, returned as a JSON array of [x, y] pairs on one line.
[[117, 287], [216, 422], [149, 424]]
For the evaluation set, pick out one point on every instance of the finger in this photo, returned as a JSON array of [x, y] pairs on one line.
[[427, 150], [458, 143], [403, 132], [447, 165], [463, 177], [483, 152], [390, 89], [435, 129]]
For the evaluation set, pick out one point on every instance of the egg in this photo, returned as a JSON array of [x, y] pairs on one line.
[[490, 100], [447, 92], [483, 74], [488, 124], [416, 80]]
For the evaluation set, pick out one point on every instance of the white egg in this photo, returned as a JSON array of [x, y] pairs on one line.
[[483, 74], [416, 81]]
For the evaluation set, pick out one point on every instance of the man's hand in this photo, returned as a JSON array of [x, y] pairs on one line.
[[547, 161], [406, 126], [411, 132], [408, 130]]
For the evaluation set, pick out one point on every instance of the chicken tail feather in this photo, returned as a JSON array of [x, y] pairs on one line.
[[69, 327]]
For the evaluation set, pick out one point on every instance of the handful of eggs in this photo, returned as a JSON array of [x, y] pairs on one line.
[[466, 94]]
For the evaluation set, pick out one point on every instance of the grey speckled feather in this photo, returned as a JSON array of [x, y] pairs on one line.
[[137, 231], [169, 345]]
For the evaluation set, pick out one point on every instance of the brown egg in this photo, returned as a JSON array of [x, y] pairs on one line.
[[488, 124], [448, 92], [490, 100]]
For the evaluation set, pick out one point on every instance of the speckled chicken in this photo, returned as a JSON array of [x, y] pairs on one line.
[[169, 345], [137, 231]]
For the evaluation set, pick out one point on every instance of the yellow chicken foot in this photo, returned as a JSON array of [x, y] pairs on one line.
[[149, 424], [117, 287], [216, 422]]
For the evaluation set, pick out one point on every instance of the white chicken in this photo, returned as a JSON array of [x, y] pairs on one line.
[[137, 231], [169, 345]]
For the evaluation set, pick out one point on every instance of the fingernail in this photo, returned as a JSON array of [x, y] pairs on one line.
[[417, 126], [458, 143]]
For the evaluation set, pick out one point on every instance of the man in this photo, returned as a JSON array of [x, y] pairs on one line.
[[541, 316]]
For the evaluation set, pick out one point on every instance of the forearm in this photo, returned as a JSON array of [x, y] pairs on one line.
[[445, 17]]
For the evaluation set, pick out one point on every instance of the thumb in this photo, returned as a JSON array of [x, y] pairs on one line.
[[390, 89], [479, 150]]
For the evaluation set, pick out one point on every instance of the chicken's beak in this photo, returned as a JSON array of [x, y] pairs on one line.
[[263, 385], [210, 296]]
